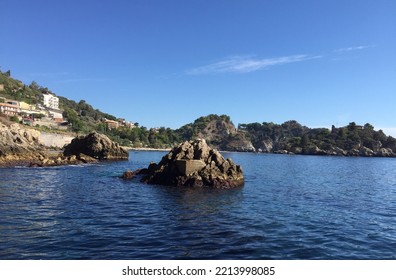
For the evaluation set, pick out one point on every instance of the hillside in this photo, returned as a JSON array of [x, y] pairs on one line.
[[219, 131], [287, 138], [83, 117], [292, 137], [15, 89]]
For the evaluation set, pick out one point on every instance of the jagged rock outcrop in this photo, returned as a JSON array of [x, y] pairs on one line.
[[335, 151], [14, 139], [385, 152], [266, 146], [97, 146], [217, 129], [237, 143], [195, 164], [20, 146], [366, 152]]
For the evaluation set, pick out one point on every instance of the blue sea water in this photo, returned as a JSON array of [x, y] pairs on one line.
[[291, 207]]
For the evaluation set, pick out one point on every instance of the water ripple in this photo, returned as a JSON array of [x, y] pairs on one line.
[[290, 208]]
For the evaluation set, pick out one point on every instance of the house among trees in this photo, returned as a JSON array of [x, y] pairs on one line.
[[114, 124], [123, 122], [111, 124]]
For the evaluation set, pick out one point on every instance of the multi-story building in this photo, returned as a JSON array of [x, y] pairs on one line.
[[28, 109], [10, 108], [49, 100]]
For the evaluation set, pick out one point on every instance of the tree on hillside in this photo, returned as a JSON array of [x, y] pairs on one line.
[[305, 140], [34, 86], [369, 127], [73, 119], [351, 126]]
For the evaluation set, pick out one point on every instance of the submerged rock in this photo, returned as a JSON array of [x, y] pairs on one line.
[[195, 164], [97, 146], [130, 174]]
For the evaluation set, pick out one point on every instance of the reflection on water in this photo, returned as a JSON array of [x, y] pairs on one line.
[[291, 207]]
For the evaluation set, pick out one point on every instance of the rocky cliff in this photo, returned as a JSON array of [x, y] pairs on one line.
[[20, 146], [219, 132]]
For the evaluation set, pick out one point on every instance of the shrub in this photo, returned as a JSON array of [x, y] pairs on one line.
[[14, 119]]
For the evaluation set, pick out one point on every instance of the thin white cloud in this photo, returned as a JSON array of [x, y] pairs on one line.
[[354, 48], [246, 64]]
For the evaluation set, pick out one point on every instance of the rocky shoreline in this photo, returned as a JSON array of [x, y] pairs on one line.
[[21, 146], [335, 151]]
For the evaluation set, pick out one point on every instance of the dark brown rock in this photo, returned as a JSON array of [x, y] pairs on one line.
[[97, 146], [129, 174], [193, 164]]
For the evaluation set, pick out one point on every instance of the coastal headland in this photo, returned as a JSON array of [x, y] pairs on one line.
[[23, 146], [59, 120]]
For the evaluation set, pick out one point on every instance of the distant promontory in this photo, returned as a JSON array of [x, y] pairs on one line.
[[36, 107]]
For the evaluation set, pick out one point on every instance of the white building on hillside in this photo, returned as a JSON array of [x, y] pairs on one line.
[[49, 100]]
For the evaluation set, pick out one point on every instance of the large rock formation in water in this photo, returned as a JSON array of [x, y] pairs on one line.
[[97, 146], [195, 164], [21, 146], [18, 145]]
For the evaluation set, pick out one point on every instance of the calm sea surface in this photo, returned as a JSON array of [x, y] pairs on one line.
[[291, 207]]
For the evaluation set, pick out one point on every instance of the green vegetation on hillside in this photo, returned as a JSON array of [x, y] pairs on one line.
[[292, 136], [219, 131], [82, 116], [193, 130], [16, 90]]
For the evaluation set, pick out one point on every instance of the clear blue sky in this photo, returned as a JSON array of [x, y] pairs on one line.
[[166, 63]]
